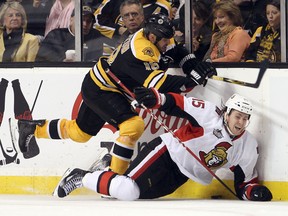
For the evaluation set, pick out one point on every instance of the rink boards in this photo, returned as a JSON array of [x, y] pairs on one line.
[[59, 98]]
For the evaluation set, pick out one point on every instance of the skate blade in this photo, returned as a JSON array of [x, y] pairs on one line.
[[66, 173], [13, 127], [98, 158]]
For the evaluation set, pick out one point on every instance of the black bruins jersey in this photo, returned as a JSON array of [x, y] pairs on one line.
[[108, 19], [265, 44], [159, 6], [138, 62]]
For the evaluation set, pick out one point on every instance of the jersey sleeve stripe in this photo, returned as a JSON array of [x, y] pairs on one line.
[[179, 100], [155, 79], [100, 77]]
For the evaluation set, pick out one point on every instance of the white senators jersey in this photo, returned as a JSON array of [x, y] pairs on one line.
[[210, 142]]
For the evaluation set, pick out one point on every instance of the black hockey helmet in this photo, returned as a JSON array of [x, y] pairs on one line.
[[160, 25]]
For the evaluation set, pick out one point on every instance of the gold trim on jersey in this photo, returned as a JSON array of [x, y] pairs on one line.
[[100, 77], [155, 79], [144, 49]]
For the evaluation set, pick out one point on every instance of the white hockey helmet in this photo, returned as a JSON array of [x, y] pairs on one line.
[[239, 103]]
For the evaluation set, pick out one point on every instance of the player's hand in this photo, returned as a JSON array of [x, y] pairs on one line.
[[256, 192], [149, 97], [205, 70], [197, 70]]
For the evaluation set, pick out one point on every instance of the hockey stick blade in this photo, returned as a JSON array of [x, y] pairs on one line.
[[263, 68]]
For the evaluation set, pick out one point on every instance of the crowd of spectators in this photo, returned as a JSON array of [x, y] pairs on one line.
[[222, 30]]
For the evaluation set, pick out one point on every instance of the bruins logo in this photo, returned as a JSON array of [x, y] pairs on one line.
[[148, 51]]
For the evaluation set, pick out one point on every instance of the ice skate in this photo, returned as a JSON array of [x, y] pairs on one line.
[[22, 135], [71, 180], [102, 162]]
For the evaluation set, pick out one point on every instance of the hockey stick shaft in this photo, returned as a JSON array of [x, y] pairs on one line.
[[37, 94], [263, 68], [109, 72]]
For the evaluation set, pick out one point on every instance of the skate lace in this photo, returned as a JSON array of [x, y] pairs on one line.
[[72, 184]]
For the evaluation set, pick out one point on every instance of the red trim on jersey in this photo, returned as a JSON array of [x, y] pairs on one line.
[[248, 190], [188, 132], [104, 182], [188, 89], [149, 162], [179, 100], [253, 181], [232, 168], [237, 137]]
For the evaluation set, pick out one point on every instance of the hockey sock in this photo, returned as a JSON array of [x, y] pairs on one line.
[[62, 129], [121, 156]]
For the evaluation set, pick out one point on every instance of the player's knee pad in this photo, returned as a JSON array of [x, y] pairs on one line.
[[132, 128], [74, 132], [130, 131]]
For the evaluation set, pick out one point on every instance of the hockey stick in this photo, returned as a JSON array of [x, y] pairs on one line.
[[109, 72], [37, 94], [263, 67]]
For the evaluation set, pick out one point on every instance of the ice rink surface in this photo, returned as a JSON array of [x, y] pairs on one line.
[[32, 205]]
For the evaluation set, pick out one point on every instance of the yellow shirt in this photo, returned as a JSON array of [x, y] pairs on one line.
[[27, 50]]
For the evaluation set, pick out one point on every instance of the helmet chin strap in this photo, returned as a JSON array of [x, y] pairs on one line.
[[227, 127]]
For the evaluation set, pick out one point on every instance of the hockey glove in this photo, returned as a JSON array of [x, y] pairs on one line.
[[149, 97], [256, 192], [197, 70]]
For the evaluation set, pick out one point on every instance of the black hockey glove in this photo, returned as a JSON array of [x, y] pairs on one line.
[[256, 192], [149, 97], [197, 70]]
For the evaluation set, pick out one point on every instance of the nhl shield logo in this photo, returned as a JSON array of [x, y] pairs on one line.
[[218, 133]]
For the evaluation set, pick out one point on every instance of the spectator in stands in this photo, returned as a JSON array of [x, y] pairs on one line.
[[251, 11], [266, 42], [132, 15], [60, 14], [15, 44], [37, 12], [110, 23], [230, 41], [58, 41], [201, 28]]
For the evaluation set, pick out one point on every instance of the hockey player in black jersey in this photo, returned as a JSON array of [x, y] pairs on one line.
[[141, 60]]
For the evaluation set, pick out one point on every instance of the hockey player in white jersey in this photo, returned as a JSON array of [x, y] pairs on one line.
[[218, 137]]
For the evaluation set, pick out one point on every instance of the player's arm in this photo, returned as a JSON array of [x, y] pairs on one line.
[[250, 190], [197, 70], [171, 103], [104, 22]]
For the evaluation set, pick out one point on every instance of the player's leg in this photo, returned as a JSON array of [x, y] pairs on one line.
[[80, 130], [114, 108], [152, 174], [99, 181], [158, 175]]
